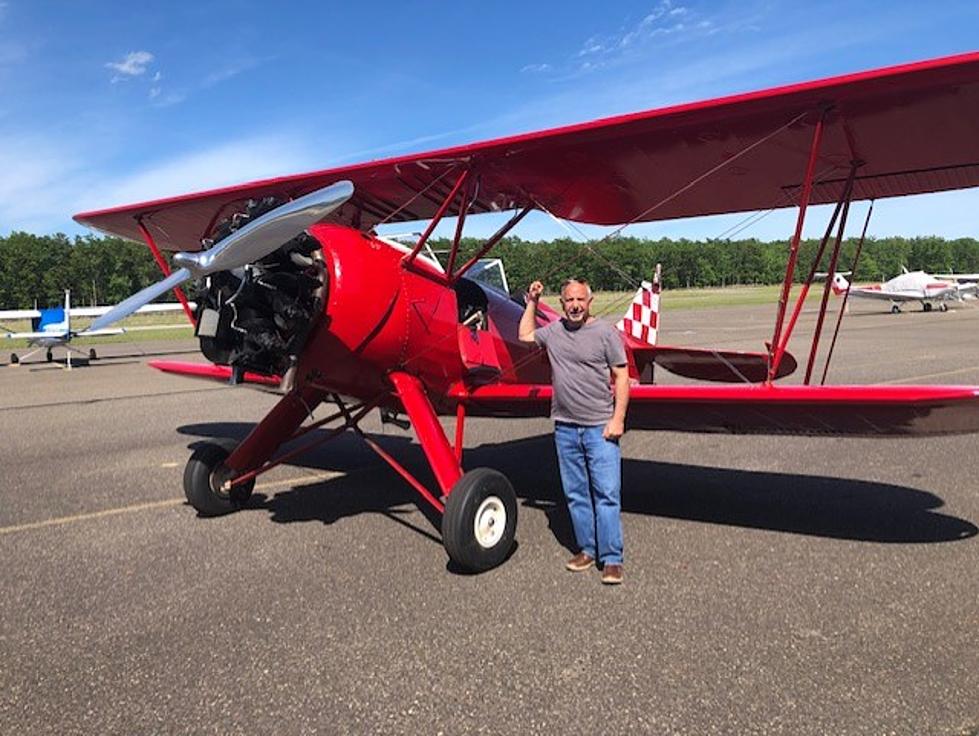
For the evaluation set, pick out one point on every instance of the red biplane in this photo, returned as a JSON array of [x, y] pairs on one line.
[[299, 292]]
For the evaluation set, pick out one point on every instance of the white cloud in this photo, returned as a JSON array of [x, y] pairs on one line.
[[230, 70], [54, 180], [132, 65], [536, 68], [222, 165], [665, 21]]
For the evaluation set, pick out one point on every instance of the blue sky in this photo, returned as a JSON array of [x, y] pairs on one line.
[[106, 103]]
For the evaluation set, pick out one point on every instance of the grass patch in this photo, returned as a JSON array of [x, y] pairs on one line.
[[614, 302]]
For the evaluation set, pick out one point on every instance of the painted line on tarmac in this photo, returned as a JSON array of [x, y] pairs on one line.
[[119, 397], [912, 379], [62, 520]]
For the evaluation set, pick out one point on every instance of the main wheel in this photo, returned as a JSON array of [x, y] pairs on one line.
[[49, 356], [480, 520], [943, 307], [895, 309], [92, 355], [205, 476], [14, 359], [927, 306]]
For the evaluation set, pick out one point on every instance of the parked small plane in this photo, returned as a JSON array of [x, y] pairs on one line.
[[300, 292], [910, 286], [51, 328]]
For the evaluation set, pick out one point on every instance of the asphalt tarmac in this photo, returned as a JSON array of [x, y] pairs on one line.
[[773, 585]]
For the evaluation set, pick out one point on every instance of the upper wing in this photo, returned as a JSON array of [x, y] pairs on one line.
[[638, 167], [765, 409]]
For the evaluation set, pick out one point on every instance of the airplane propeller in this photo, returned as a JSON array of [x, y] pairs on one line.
[[251, 243]]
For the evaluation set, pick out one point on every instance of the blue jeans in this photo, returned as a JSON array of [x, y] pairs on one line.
[[591, 473]]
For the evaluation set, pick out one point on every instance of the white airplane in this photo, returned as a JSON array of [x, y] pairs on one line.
[[51, 328], [913, 286]]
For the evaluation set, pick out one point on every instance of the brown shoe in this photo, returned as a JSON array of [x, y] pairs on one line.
[[579, 563], [612, 575]]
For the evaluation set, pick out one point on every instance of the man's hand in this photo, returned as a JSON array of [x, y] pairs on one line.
[[614, 429], [525, 330]]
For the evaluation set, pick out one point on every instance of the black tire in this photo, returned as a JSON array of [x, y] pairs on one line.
[[895, 309], [14, 359], [927, 306], [92, 354], [204, 475], [943, 307], [49, 356], [481, 502]]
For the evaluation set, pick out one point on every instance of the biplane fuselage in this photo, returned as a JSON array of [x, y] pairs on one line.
[[379, 313]]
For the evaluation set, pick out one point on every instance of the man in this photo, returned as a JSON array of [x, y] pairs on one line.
[[588, 421]]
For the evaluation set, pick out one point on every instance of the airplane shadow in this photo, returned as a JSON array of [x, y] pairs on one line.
[[824, 506]]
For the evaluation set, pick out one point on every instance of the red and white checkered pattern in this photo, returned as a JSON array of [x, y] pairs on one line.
[[641, 319]]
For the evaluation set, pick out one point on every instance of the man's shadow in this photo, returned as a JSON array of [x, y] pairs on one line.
[[824, 506]]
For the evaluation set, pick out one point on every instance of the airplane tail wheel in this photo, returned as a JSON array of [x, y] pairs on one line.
[[92, 355], [204, 480], [480, 520]]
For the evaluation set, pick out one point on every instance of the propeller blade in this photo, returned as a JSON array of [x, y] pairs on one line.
[[268, 233], [140, 298], [251, 243]]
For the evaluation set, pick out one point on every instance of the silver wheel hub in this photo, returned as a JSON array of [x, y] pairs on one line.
[[490, 522]]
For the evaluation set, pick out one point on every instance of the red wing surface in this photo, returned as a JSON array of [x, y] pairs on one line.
[[870, 411], [913, 126]]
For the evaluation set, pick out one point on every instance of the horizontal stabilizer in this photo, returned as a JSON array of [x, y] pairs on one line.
[[704, 364]]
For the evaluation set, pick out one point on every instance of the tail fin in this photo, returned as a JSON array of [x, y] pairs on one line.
[[840, 284], [54, 320], [641, 319]]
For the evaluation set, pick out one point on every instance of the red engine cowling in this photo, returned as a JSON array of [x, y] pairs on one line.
[[380, 315]]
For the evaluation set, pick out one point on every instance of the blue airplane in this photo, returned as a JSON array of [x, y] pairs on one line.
[[51, 328]]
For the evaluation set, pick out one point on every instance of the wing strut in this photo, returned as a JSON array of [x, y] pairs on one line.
[[834, 259], [846, 294], [778, 345], [148, 237], [437, 217]]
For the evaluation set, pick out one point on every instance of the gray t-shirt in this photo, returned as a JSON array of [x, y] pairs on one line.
[[580, 362]]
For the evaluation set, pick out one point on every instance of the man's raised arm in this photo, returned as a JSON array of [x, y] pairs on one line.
[[528, 322]]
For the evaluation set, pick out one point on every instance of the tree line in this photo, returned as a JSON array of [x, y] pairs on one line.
[[105, 270]]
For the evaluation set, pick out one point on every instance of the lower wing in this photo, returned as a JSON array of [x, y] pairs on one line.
[[887, 296], [212, 372], [765, 409]]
